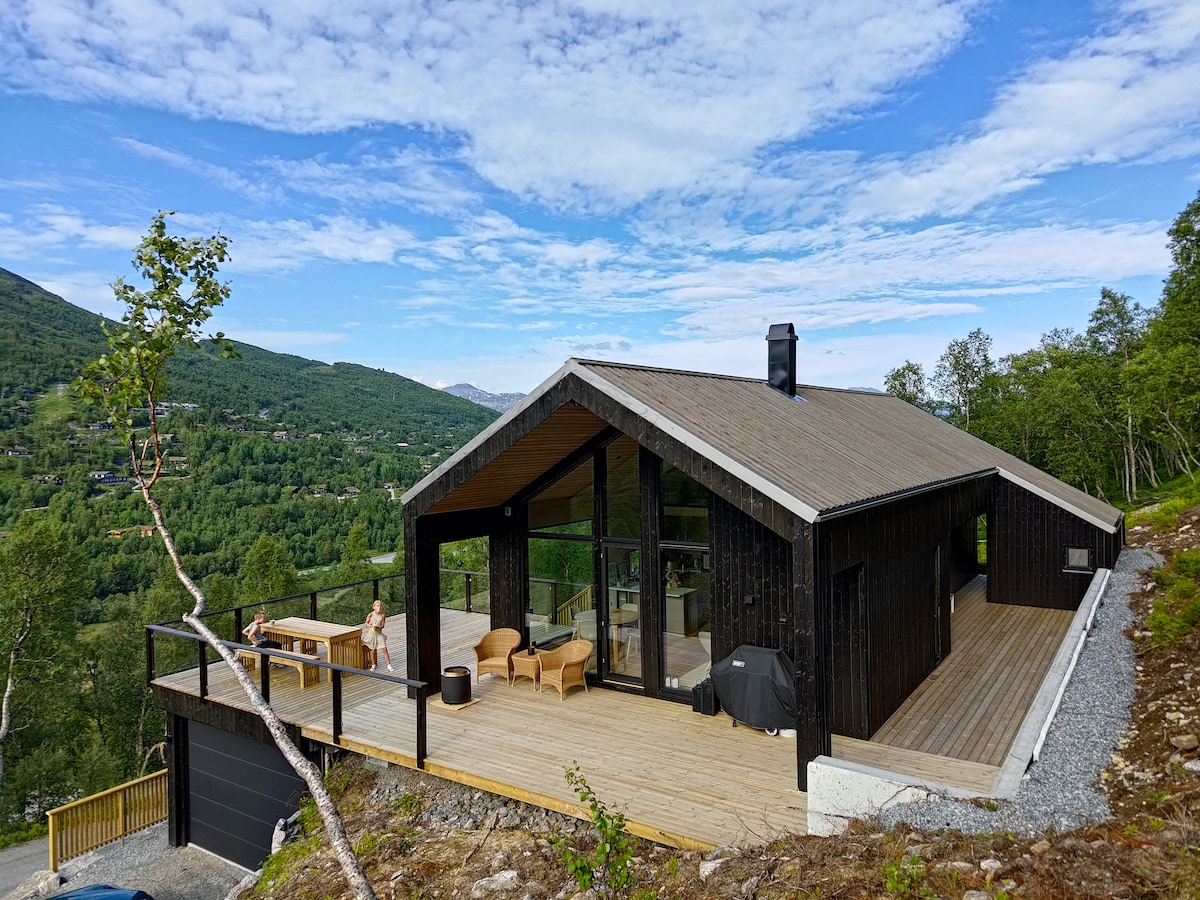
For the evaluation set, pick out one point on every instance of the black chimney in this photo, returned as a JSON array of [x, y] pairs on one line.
[[781, 358]]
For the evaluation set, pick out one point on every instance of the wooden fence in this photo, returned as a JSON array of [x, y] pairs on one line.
[[106, 817]]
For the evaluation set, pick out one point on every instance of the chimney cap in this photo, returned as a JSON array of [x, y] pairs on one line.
[[785, 331]]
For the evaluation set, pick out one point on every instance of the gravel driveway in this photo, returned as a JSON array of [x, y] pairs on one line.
[[145, 862]]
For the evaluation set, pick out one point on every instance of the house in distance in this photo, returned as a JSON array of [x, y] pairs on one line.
[[680, 515]]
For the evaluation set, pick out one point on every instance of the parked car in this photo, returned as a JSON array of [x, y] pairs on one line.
[[103, 892]]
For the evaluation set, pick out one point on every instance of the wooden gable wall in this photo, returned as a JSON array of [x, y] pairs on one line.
[[1026, 548]]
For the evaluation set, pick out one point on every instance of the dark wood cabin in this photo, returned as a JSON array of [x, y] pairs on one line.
[[682, 514]]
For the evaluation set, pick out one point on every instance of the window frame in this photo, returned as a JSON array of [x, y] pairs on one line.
[[1088, 568]]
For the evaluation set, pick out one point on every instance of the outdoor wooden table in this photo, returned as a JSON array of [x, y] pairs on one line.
[[527, 664], [343, 643]]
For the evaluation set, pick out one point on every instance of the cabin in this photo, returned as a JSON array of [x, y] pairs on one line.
[[683, 514]]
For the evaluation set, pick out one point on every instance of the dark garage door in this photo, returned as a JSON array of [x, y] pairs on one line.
[[237, 790]]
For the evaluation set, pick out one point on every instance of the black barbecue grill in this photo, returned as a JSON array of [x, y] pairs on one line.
[[757, 686]]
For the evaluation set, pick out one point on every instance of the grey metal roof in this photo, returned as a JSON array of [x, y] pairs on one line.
[[820, 454], [826, 450]]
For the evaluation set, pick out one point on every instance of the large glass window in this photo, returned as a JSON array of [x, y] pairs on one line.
[[685, 614], [623, 501], [567, 506], [685, 507], [623, 582], [560, 586]]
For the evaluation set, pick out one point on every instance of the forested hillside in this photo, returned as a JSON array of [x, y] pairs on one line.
[[274, 464], [43, 339]]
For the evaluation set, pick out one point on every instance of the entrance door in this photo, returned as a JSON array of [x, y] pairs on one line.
[[618, 613]]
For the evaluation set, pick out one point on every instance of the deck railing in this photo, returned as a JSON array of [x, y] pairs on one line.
[[418, 690], [582, 601], [108, 816]]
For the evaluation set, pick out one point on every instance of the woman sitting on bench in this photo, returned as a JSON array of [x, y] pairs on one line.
[[254, 635]]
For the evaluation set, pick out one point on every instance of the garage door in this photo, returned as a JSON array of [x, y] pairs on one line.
[[237, 790]]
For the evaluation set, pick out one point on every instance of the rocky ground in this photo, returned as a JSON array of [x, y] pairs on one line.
[[421, 837]]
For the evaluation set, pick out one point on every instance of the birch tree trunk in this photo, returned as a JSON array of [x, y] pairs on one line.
[[334, 827]]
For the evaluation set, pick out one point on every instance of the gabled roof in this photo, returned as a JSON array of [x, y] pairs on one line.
[[823, 453]]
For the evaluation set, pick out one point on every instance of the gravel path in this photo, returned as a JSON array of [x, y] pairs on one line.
[[1061, 789]]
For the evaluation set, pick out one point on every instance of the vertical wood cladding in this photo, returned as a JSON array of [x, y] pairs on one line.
[[849, 697], [1027, 542], [751, 584], [423, 609], [507, 570], [887, 646], [809, 623]]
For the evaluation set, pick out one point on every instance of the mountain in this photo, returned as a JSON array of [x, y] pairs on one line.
[[499, 402], [44, 340]]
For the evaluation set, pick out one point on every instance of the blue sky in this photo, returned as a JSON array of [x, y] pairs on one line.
[[476, 190]]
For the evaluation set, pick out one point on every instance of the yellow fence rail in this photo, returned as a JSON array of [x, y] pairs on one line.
[[581, 601], [106, 817]]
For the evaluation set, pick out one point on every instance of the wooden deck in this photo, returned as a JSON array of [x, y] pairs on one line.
[[682, 779], [973, 704]]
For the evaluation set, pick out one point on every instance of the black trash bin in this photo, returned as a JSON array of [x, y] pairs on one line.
[[456, 685]]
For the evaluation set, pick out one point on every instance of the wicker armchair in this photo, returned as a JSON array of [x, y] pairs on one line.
[[564, 667], [494, 653]]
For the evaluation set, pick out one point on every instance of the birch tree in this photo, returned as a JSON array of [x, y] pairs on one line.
[[131, 377], [40, 582]]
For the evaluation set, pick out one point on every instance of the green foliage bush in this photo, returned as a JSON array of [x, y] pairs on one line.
[[608, 870], [1176, 611]]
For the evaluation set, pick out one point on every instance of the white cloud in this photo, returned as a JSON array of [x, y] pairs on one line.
[[1124, 94], [45, 227], [219, 175], [411, 177], [287, 244], [277, 340], [587, 105]]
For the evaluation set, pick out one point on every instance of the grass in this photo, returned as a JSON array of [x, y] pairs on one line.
[[1176, 610], [1161, 507]]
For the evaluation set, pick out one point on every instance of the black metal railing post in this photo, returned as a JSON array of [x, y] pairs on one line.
[[264, 665], [336, 685], [312, 605], [374, 590], [467, 578], [149, 656], [203, 653], [421, 746], [237, 623]]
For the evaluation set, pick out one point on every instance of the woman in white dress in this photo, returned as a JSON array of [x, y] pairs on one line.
[[373, 637]]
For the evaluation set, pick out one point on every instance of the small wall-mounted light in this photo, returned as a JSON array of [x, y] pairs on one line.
[[508, 510], [748, 600]]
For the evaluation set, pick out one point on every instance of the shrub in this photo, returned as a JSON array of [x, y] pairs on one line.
[[608, 870]]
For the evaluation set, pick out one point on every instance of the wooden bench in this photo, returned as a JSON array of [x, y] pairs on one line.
[[309, 674]]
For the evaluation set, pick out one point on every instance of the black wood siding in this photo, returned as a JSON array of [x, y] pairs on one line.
[[901, 547], [751, 584], [423, 608], [507, 571], [1026, 551]]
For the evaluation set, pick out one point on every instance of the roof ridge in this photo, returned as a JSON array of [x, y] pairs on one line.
[[621, 365]]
